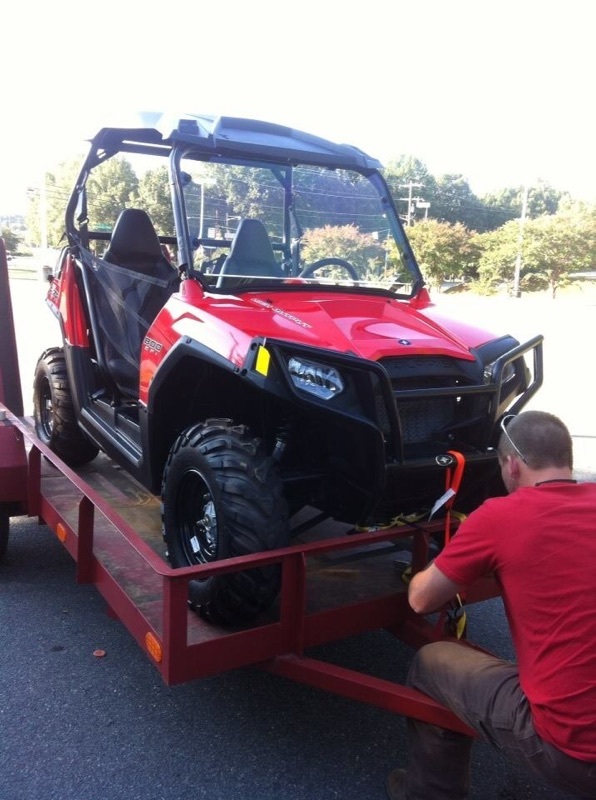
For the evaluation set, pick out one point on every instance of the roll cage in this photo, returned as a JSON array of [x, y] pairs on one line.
[[207, 146]]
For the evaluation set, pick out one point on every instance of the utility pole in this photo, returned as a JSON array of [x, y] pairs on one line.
[[43, 214], [520, 242], [44, 253], [409, 199]]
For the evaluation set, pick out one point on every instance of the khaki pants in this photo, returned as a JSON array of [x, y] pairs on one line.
[[483, 691]]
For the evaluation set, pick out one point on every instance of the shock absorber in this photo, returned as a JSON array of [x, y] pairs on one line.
[[281, 441]]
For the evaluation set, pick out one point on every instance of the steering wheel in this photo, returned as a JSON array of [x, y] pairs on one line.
[[325, 262]]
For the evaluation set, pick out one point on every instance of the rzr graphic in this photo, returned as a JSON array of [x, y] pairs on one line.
[[287, 356]]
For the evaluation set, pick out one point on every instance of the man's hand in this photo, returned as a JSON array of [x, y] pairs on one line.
[[430, 589]]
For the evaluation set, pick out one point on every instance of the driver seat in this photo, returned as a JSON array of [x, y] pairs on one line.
[[251, 254], [135, 292]]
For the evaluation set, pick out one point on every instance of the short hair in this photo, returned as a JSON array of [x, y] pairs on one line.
[[541, 438]]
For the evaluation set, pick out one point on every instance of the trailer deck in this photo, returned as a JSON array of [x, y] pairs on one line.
[[334, 583]]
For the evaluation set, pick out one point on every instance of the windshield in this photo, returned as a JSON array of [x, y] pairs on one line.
[[247, 224]]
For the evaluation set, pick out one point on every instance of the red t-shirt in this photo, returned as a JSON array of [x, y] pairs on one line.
[[541, 543]]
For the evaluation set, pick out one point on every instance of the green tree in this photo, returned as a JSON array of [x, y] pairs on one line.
[[552, 248], [153, 195], [111, 188], [498, 252], [557, 246], [237, 192], [454, 201], [406, 168], [444, 251], [362, 250], [450, 196], [11, 240], [409, 173], [506, 204], [500, 207], [544, 199], [54, 197]]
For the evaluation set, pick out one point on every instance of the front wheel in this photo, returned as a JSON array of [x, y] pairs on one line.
[[223, 497]]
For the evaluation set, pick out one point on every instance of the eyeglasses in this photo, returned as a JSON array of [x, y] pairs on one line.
[[509, 439]]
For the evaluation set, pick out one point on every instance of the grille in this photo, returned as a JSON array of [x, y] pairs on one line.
[[428, 418], [423, 420]]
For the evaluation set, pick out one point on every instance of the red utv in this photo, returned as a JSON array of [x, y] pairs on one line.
[[254, 336]]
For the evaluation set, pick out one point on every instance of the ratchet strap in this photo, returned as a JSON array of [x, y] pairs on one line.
[[397, 521], [454, 463], [453, 616], [453, 476]]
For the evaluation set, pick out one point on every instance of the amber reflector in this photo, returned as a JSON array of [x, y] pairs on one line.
[[153, 645]]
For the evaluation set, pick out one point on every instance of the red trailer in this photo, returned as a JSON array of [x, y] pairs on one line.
[[333, 585]]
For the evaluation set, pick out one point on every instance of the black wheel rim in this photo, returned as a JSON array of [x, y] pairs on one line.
[[46, 408], [197, 519]]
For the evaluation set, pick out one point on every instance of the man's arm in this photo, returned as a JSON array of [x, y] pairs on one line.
[[430, 589]]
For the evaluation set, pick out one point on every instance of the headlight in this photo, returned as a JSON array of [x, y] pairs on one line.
[[322, 381], [507, 374]]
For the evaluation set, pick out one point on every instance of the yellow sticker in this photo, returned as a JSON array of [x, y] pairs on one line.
[[263, 359]]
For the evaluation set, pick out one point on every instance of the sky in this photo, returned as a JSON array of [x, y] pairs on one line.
[[499, 92]]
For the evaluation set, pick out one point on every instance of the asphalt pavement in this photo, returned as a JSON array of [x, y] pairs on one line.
[[79, 726]]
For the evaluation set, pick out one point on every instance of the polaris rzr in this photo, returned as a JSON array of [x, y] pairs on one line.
[[247, 332]]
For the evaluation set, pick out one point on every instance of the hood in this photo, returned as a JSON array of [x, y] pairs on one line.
[[369, 327]]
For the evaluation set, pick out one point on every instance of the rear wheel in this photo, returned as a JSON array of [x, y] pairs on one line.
[[54, 414], [223, 497]]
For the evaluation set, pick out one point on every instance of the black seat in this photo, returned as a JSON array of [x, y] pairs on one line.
[[134, 244], [251, 254], [129, 295]]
